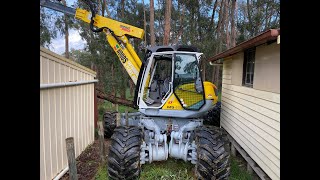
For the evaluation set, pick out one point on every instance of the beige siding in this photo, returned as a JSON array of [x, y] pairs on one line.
[[226, 71], [64, 112], [251, 117], [237, 66], [267, 68]]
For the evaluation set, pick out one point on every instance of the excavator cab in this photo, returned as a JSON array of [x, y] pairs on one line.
[[171, 83]]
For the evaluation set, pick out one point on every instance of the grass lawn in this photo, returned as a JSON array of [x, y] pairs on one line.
[[179, 170]]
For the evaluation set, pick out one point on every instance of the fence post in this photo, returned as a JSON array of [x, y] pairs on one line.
[[101, 140], [73, 174], [117, 107], [118, 119]]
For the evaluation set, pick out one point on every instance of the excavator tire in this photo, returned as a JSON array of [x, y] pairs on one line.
[[213, 116], [124, 153], [213, 155], [109, 123]]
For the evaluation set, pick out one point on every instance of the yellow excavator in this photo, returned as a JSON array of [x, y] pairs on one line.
[[171, 98]]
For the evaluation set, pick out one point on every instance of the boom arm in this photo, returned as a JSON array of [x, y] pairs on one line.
[[116, 33]]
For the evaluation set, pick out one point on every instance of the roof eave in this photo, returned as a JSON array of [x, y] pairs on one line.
[[262, 38]]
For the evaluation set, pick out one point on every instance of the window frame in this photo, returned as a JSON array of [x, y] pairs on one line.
[[248, 53]]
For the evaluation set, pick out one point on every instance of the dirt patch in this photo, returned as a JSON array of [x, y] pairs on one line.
[[89, 161]]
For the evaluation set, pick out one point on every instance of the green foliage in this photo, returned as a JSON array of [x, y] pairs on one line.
[[264, 15], [47, 32]]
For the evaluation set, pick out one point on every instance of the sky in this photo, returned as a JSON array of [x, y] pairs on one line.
[[75, 42]]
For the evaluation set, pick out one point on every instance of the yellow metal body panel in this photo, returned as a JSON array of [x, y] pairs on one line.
[[124, 50], [125, 58], [117, 27], [132, 51], [83, 15], [209, 91], [172, 104]]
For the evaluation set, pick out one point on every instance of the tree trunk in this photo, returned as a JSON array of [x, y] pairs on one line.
[[270, 17], [212, 16], [203, 69], [66, 35], [66, 32], [213, 80], [107, 9], [160, 23], [144, 24], [167, 17], [124, 82], [249, 18], [152, 34], [180, 5], [220, 18], [223, 24], [131, 84], [266, 16], [198, 22], [233, 22], [113, 91], [122, 9], [227, 19], [220, 25], [103, 7]]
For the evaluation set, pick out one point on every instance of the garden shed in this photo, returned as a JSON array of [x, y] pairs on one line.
[[67, 109]]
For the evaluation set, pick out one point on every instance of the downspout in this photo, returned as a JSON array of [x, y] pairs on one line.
[[64, 84], [61, 173]]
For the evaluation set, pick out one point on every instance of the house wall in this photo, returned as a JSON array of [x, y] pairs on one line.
[[267, 68], [252, 115], [64, 112]]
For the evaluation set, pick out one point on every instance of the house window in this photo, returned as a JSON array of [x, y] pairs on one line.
[[248, 67]]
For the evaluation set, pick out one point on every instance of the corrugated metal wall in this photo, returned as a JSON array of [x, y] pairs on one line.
[[64, 111]]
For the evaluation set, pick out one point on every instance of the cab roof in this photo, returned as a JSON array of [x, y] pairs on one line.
[[173, 48]]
